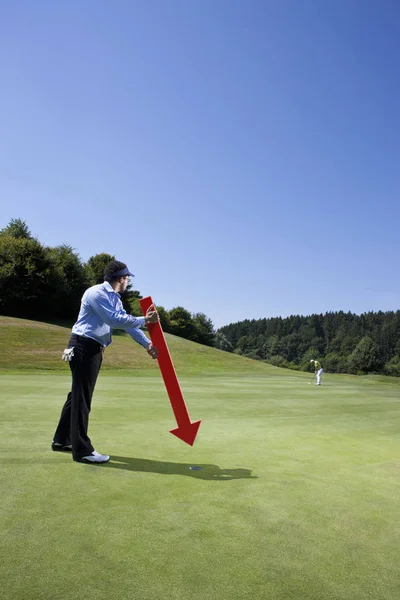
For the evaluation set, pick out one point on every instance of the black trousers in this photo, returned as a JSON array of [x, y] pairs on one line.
[[73, 425]]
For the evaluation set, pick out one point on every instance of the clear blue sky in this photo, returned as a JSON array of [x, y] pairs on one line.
[[243, 157]]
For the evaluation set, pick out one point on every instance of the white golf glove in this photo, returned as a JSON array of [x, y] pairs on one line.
[[68, 354]]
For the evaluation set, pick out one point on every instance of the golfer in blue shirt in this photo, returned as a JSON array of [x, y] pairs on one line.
[[101, 311]]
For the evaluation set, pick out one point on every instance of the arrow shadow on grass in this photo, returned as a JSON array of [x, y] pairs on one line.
[[210, 472]]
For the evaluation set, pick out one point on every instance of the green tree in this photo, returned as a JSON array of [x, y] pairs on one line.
[[29, 279], [131, 297], [271, 346], [385, 336], [96, 265], [182, 323], [204, 329], [165, 321], [18, 229], [278, 361], [392, 367], [333, 363], [242, 344], [222, 343], [364, 356], [72, 281], [305, 363]]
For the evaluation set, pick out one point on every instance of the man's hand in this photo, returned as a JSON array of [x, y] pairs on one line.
[[152, 350], [68, 354], [151, 315]]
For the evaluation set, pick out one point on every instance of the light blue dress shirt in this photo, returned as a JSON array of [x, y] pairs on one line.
[[101, 312]]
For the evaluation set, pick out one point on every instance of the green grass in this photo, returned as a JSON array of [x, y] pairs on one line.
[[33, 346], [297, 498]]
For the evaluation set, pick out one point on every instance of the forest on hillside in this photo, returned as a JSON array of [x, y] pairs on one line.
[[343, 342]]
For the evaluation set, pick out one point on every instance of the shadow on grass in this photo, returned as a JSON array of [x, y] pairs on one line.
[[209, 472]]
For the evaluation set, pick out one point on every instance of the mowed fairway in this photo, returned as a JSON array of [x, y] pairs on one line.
[[297, 496]]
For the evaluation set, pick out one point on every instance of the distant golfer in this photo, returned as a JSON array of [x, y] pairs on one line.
[[101, 311], [318, 371]]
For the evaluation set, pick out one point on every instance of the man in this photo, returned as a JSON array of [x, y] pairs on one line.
[[101, 311], [318, 371]]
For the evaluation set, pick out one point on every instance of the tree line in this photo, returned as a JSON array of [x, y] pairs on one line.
[[47, 283], [343, 342]]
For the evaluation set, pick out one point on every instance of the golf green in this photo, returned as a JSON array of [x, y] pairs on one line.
[[297, 495]]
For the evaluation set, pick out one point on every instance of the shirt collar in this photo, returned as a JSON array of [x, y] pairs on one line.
[[108, 287]]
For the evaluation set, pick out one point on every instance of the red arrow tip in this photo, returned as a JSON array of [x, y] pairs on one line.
[[187, 433]]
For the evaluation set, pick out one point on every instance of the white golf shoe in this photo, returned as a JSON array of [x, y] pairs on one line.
[[94, 458]]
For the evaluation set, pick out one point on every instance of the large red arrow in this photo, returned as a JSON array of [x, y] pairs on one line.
[[186, 430]]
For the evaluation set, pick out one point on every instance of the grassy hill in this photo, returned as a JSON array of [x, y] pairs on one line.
[[31, 345]]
